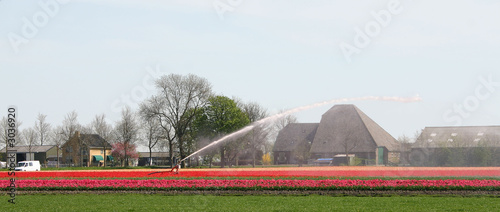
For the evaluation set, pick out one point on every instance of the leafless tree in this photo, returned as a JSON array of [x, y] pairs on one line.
[[101, 127], [281, 123], [151, 109], [30, 136], [127, 131], [276, 127], [257, 137], [58, 139], [151, 132], [4, 139], [70, 125], [69, 128], [177, 101], [42, 127], [349, 141]]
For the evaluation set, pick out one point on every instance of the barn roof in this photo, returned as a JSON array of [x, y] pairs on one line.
[[463, 136], [34, 148], [293, 134], [347, 125]]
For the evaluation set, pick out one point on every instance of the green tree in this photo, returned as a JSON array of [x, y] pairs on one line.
[[219, 117]]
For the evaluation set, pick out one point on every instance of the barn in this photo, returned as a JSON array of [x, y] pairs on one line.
[[343, 130], [457, 146]]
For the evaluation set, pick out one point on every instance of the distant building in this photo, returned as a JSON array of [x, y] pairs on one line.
[[457, 146], [46, 154], [343, 130], [157, 159], [291, 139], [86, 150]]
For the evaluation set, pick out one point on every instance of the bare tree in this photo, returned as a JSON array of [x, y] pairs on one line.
[[101, 127], [58, 139], [30, 136], [70, 125], [178, 99], [127, 131], [349, 141], [151, 109], [404, 147], [69, 128], [282, 122], [151, 132], [4, 138], [276, 127], [42, 127], [257, 137]]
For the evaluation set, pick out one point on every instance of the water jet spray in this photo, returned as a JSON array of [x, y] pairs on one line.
[[249, 127]]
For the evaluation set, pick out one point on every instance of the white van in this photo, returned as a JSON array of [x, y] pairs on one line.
[[28, 166]]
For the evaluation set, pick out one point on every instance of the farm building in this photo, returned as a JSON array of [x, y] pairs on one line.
[[46, 154], [457, 146], [343, 130], [291, 142], [154, 159]]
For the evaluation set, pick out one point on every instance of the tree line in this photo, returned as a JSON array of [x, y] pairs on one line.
[[183, 116]]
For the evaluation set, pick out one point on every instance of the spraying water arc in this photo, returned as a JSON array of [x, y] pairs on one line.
[[275, 117]]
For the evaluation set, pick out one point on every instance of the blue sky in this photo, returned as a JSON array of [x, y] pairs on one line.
[[96, 56]]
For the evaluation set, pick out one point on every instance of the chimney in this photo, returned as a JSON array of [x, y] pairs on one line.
[[77, 133]]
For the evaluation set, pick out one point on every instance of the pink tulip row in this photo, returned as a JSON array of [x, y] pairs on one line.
[[241, 183]]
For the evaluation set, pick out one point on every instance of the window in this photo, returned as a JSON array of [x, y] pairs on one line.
[[450, 140], [433, 134], [69, 149], [480, 134], [102, 151], [454, 134]]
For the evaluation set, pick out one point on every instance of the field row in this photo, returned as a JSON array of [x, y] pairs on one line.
[[274, 172], [261, 184]]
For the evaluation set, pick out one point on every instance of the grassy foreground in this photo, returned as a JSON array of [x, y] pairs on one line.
[[157, 202]]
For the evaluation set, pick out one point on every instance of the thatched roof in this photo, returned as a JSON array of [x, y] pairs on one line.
[[347, 126], [293, 134], [468, 136]]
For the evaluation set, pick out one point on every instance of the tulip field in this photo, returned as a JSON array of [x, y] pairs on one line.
[[351, 182], [285, 178]]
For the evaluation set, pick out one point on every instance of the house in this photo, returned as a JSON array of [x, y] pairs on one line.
[[293, 140], [457, 146], [343, 130], [86, 150], [46, 154]]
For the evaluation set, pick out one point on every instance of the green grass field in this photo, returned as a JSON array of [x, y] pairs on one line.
[[157, 202]]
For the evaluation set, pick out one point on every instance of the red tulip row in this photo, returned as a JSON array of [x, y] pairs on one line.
[[241, 184]]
